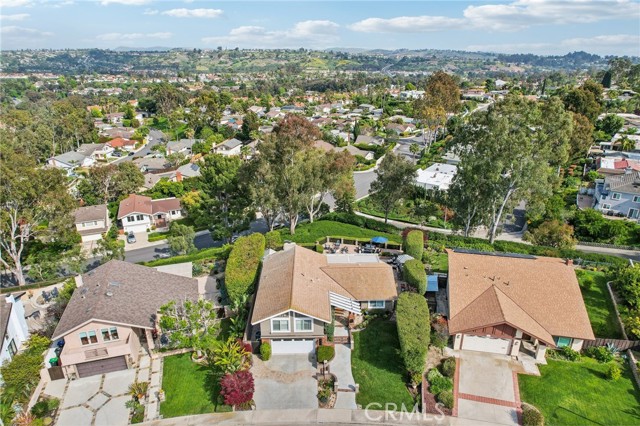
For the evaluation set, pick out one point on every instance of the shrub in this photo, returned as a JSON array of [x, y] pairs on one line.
[[329, 330], [324, 394], [273, 240], [23, 371], [414, 274], [446, 398], [600, 353], [614, 372], [319, 248], [531, 416], [237, 388], [437, 382], [265, 351], [414, 244], [414, 329], [325, 353], [569, 354], [243, 265], [45, 407], [448, 367]]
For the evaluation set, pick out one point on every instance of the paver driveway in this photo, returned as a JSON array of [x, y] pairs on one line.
[[285, 382], [487, 388]]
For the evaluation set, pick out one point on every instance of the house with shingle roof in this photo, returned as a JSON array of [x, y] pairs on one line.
[[619, 194], [299, 289], [139, 213], [70, 160], [92, 221], [514, 304], [112, 316]]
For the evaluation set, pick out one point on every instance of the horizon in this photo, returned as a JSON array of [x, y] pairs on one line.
[[540, 27]]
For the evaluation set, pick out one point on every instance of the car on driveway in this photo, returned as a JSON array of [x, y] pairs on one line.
[[131, 238]]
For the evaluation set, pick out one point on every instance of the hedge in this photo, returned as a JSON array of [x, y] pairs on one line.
[[209, 253], [273, 240], [413, 272], [243, 264], [265, 351], [363, 222], [39, 284], [325, 353], [414, 330], [414, 244], [22, 373], [158, 236]]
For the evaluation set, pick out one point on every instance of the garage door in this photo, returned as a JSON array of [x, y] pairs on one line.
[[292, 346], [102, 366], [486, 344]]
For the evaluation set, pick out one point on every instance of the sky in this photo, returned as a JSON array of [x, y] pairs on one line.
[[604, 27]]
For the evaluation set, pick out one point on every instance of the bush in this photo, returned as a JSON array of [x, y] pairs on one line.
[[273, 240], [531, 416], [414, 244], [600, 353], [319, 248], [446, 398], [329, 330], [414, 329], [243, 265], [448, 367], [614, 372], [326, 353], [437, 382], [265, 351], [23, 371], [414, 274], [569, 354], [45, 407]]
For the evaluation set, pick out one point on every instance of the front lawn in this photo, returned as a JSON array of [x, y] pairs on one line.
[[599, 304], [377, 366], [577, 393], [189, 388], [318, 230]]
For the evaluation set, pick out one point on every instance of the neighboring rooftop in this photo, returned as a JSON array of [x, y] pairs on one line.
[[90, 213]]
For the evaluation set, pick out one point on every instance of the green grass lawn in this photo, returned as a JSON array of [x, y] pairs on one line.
[[577, 393], [439, 262], [189, 388], [599, 304], [318, 230], [377, 366]]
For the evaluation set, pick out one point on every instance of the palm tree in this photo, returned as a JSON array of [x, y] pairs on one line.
[[627, 144], [414, 148]]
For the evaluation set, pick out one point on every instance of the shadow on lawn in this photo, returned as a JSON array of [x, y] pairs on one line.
[[378, 345], [212, 386]]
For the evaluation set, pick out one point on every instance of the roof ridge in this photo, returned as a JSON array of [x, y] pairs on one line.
[[472, 302], [522, 309]]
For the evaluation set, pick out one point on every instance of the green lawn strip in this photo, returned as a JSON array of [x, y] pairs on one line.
[[577, 393], [189, 388], [158, 236], [439, 262], [319, 230], [599, 305], [204, 254], [377, 366]]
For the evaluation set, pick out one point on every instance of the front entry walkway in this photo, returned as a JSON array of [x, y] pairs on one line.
[[341, 367], [486, 388]]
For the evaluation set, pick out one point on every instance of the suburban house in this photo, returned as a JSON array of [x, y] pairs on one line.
[[95, 150], [139, 213], [616, 165], [92, 221], [120, 143], [514, 304], [437, 176], [13, 327], [182, 146], [70, 160], [185, 171], [111, 316], [369, 140], [619, 195], [367, 155], [229, 147], [300, 288], [151, 163]]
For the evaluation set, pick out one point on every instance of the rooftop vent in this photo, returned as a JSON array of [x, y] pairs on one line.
[[109, 293]]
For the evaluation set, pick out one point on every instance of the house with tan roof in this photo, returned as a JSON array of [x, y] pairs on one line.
[[514, 304], [138, 213], [112, 316], [92, 221], [300, 291]]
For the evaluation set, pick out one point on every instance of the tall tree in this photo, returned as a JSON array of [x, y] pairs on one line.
[[581, 137], [108, 183], [394, 177], [442, 91], [250, 124]]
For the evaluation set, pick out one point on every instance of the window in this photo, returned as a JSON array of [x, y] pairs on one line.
[[303, 323], [92, 337], [130, 218], [636, 199], [84, 339], [280, 325], [615, 196], [139, 217], [85, 224], [109, 334], [174, 212], [13, 349], [562, 342], [376, 304], [633, 214], [606, 206]]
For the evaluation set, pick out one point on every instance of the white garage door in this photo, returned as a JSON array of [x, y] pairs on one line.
[[486, 344], [136, 229], [292, 346]]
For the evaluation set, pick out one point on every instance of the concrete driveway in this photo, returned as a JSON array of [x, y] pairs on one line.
[[486, 388], [285, 382]]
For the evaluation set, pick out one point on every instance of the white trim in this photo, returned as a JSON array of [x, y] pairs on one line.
[[288, 321], [303, 318], [384, 304], [71, 330], [613, 196], [290, 310], [606, 206]]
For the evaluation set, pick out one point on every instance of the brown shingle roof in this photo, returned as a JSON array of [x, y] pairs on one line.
[[89, 213], [165, 205], [301, 279], [540, 296], [135, 204], [125, 293]]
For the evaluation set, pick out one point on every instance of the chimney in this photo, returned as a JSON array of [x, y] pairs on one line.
[[78, 280], [178, 177], [569, 262]]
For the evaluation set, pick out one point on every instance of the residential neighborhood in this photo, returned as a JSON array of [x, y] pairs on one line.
[[213, 214]]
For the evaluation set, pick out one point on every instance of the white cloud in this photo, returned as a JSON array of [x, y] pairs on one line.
[[193, 13], [14, 3], [132, 36], [615, 44], [14, 32], [14, 17], [314, 33], [512, 16], [125, 2], [151, 12]]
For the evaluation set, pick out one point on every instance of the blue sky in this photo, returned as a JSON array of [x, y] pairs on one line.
[[517, 26]]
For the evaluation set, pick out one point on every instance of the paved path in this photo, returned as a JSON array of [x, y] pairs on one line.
[[341, 367]]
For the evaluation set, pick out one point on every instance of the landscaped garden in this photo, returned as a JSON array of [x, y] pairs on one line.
[[599, 304], [319, 230], [190, 388], [578, 393], [376, 366]]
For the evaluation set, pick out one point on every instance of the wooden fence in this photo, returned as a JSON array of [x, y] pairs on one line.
[[621, 344]]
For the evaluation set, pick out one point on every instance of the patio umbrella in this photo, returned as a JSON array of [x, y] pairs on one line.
[[379, 240]]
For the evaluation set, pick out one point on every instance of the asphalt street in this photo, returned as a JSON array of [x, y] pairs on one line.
[[156, 137]]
